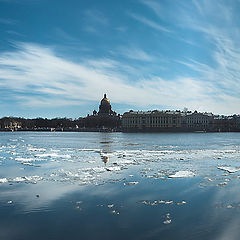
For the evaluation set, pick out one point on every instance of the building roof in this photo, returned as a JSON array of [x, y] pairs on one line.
[[105, 100]]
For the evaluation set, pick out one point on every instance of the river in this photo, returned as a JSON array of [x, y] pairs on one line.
[[59, 185]]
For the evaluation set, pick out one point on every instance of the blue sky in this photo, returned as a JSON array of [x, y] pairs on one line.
[[58, 57]]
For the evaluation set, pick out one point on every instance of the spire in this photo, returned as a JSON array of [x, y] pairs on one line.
[[105, 95]]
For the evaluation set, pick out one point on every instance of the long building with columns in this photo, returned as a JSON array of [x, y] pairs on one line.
[[166, 121]]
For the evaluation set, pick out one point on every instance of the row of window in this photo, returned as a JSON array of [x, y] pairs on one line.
[[149, 121], [152, 126]]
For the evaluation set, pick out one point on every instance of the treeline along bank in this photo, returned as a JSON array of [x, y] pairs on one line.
[[133, 121]]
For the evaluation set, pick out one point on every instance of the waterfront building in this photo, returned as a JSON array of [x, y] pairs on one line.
[[167, 121], [105, 108], [197, 121], [104, 118], [227, 123], [153, 121]]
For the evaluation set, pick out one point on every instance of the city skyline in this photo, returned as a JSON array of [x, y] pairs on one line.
[[58, 59]]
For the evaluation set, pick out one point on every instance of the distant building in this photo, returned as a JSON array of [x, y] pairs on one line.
[[151, 121], [105, 108], [226, 123], [197, 121], [10, 124], [104, 118], [167, 121]]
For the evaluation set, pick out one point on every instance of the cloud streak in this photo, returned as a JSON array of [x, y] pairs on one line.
[[40, 77], [93, 19], [223, 70], [7, 21], [148, 22], [136, 54]]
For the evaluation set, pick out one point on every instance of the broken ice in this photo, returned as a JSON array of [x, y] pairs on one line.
[[130, 183], [182, 174], [3, 180], [229, 169]]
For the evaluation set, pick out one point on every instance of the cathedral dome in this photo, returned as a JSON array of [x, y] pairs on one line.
[[105, 100], [105, 106]]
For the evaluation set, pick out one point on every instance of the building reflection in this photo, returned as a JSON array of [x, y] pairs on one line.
[[105, 144]]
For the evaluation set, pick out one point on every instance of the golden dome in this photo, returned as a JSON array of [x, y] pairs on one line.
[[105, 100], [105, 108]]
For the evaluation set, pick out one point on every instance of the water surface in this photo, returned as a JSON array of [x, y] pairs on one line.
[[154, 186]]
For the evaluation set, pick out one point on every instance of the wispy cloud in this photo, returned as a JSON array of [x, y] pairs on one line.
[[96, 16], [93, 19], [223, 69], [64, 35], [33, 70], [148, 22], [136, 54], [7, 21], [49, 101], [156, 7], [15, 33]]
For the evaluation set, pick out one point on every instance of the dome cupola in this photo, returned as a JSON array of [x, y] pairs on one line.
[[105, 100], [105, 106]]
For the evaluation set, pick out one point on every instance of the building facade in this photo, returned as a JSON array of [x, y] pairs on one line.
[[226, 123], [167, 121], [197, 121], [153, 121]]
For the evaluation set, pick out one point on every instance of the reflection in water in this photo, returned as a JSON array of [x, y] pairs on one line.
[[105, 159], [106, 142]]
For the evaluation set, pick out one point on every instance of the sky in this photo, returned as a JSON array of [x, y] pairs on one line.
[[58, 57]]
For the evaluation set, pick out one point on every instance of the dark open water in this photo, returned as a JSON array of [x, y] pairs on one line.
[[155, 186]]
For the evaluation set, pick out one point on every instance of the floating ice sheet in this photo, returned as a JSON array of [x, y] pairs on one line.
[[27, 179], [52, 155], [3, 180], [130, 183], [157, 202], [113, 168], [182, 174], [34, 149], [167, 221], [229, 169], [83, 164]]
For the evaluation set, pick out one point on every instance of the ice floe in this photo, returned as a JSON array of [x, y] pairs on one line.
[[182, 174], [156, 202], [181, 203], [34, 179], [229, 169], [34, 149], [21, 159], [52, 155], [168, 219], [166, 202], [115, 212], [114, 168], [130, 183], [3, 180]]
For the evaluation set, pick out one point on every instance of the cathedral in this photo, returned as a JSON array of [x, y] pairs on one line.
[[105, 108], [105, 117]]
